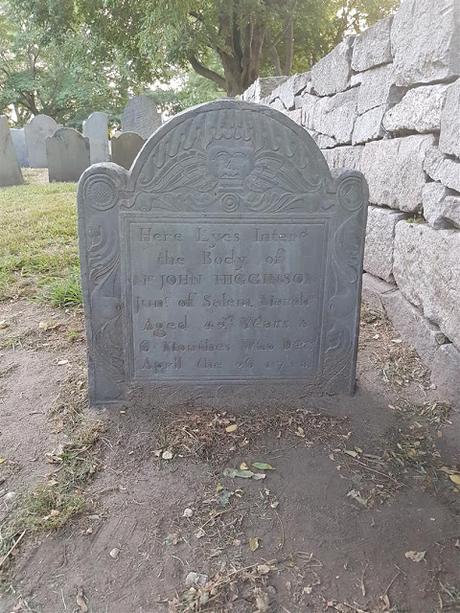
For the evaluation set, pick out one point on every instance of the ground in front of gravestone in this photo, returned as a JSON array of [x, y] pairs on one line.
[[350, 504]]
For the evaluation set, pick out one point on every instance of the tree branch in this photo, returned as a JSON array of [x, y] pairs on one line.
[[206, 72]]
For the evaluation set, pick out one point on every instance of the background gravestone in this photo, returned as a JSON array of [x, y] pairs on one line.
[[96, 128], [37, 131], [18, 137], [141, 116], [125, 147], [225, 266], [68, 155], [10, 171]]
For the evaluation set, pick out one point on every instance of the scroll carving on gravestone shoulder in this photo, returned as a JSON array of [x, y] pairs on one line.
[[227, 256], [10, 171], [68, 154], [37, 131]]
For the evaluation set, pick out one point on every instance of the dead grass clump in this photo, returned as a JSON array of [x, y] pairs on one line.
[[209, 435], [399, 364]]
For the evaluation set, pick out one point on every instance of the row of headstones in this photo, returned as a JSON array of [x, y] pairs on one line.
[[42, 143]]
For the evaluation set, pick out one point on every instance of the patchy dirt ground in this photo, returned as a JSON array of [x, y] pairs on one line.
[[349, 505]]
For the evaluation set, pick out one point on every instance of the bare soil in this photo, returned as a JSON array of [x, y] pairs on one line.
[[357, 512]]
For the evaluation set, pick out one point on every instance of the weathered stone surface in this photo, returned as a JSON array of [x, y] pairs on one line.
[[441, 206], [332, 73], [262, 88], [380, 235], [373, 291], [68, 155], [441, 168], [394, 171], [290, 88], [141, 116], [125, 147], [96, 128], [10, 171], [37, 131], [419, 110], [369, 125], [335, 116], [18, 137], [235, 257], [373, 46], [449, 139], [425, 40], [426, 270], [344, 157], [377, 88], [444, 374], [322, 140], [412, 326]]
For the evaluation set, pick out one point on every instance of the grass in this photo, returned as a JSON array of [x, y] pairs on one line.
[[38, 243]]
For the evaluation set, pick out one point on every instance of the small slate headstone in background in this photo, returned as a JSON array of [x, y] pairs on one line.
[[18, 136], [37, 131], [141, 116], [225, 266], [125, 147], [68, 155], [96, 128], [10, 171]]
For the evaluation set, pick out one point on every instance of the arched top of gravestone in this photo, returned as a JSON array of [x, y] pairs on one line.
[[141, 116], [250, 155], [68, 135], [42, 123]]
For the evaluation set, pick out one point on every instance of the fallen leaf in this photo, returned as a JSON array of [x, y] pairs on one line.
[[356, 495], [415, 556], [62, 362], [2, 460], [244, 466], [167, 455], [194, 579], [187, 512], [231, 428], [114, 553], [4, 324], [262, 466], [263, 569], [235, 472], [254, 543], [81, 601], [300, 432], [351, 453], [258, 476], [455, 478]]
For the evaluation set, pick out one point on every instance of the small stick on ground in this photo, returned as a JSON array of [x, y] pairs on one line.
[[12, 548]]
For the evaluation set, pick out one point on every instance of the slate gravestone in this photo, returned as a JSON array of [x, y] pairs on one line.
[[10, 171], [125, 147], [68, 155], [37, 131], [96, 128], [141, 116], [18, 137], [226, 264]]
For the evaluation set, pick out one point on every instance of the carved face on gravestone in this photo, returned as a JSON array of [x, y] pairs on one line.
[[230, 160]]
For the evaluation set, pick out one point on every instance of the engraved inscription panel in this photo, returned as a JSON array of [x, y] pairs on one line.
[[223, 299]]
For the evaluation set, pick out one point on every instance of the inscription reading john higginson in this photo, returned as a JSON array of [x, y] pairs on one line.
[[224, 300]]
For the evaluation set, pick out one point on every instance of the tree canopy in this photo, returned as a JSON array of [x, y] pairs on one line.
[[69, 57]]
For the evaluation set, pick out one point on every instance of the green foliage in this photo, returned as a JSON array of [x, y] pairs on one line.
[[38, 246]]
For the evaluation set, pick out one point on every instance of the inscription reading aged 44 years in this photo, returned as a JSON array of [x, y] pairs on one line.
[[228, 255]]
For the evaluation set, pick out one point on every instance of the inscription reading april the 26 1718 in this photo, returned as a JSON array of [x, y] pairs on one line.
[[223, 299]]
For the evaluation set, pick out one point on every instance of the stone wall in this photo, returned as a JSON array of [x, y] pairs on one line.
[[387, 102]]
